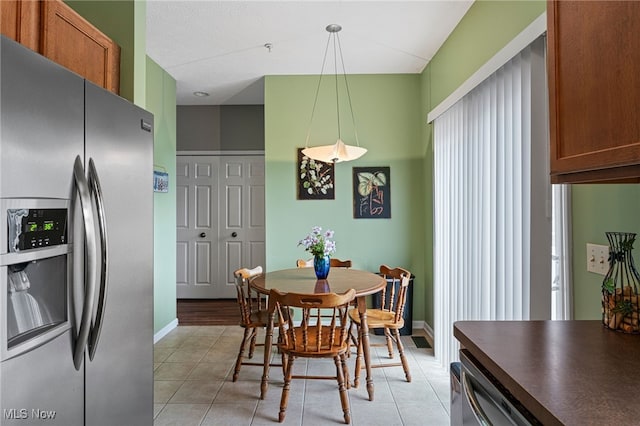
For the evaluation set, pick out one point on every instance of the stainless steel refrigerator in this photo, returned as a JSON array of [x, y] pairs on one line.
[[76, 249]]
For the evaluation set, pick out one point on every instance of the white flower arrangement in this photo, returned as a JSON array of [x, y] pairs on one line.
[[319, 243]]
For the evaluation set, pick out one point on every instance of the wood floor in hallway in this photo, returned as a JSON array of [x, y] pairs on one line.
[[208, 312]]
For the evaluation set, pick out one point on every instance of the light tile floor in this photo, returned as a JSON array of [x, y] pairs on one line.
[[192, 386]]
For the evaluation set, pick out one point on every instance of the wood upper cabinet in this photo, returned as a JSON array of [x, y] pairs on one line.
[[20, 21], [68, 39], [594, 86], [53, 29]]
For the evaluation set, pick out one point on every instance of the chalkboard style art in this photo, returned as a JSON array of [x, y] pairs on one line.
[[371, 192], [315, 179]]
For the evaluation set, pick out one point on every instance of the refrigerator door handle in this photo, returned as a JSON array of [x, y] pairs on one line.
[[90, 277], [96, 190]]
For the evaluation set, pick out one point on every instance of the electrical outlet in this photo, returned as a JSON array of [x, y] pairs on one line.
[[597, 258]]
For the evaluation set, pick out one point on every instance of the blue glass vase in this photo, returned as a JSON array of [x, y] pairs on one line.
[[321, 266]]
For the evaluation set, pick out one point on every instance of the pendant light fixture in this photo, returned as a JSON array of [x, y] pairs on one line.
[[339, 151]]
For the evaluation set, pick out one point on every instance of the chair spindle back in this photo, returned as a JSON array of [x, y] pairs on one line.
[[248, 300], [317, 331], [391, 301]]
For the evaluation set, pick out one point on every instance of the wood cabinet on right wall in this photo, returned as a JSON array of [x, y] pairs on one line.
[[594, 90]]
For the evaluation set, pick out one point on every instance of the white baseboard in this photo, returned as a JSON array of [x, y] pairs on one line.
[[422, 325], [165, 330]]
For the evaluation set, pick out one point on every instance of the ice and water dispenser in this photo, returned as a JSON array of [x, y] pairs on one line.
[[34, 270]]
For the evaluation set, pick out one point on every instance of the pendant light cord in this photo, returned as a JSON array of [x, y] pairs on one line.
[[335, 70], [346, 84], [315, 100]]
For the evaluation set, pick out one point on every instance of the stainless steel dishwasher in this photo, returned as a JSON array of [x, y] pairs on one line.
[[484, 401]]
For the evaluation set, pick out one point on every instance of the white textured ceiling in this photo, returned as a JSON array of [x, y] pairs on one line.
[[218, 46]]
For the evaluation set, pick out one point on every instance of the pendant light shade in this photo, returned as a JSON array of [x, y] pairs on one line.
[[335, 153], [339, 151]]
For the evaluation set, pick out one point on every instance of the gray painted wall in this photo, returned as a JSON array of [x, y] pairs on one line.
[[220, 128]]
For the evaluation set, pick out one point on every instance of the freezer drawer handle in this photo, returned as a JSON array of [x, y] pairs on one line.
[[96, 190], [91, 255], [469, 393]]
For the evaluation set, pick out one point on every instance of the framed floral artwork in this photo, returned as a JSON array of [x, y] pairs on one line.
[[372, 192], [315, 179]]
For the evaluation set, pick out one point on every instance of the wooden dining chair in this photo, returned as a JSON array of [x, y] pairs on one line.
[[315, 336], [254, 315], [388, 316], [301, 263], [337, 263]]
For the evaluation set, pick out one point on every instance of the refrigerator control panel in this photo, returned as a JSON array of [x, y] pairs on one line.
[[36, 228]]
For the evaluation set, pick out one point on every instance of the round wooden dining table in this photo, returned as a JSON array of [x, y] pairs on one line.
[[303, 280]]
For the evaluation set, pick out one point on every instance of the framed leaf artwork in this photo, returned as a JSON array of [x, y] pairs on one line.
[[372, 192], [315, 179]]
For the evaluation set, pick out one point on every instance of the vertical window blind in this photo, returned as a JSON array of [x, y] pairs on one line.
[[561, 290], [492, 228]]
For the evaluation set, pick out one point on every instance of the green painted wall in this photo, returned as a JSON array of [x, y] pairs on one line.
[[124, 22], [387, 110], [485, 29], [140, 54], [161, 101], [598, 209], [427, 167]]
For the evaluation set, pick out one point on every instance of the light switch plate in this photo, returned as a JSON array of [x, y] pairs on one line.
[[597, 258]]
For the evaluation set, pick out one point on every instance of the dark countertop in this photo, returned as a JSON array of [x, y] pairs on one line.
[[563, 372]]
